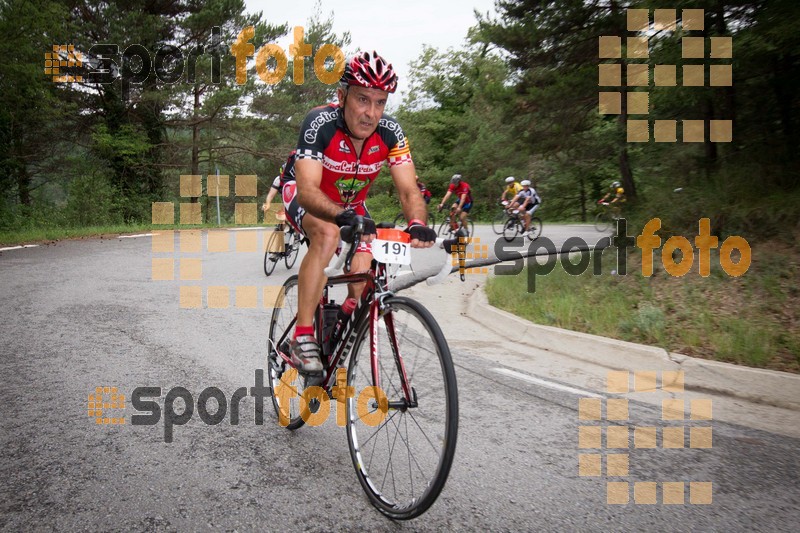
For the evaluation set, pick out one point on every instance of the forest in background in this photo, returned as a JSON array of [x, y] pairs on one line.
[[520, 97]]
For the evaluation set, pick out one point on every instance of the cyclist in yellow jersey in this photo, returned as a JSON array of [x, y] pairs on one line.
[[618, 192], [512, 188]]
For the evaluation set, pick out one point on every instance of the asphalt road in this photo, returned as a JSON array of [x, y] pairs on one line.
[[77, 315]]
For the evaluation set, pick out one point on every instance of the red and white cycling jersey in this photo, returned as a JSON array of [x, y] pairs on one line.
[[347, 175]]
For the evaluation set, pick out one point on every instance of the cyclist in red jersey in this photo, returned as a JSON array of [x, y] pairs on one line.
[[341, 149], [463, 194]]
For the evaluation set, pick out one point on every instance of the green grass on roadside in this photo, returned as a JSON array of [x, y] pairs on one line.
[[753, 320]]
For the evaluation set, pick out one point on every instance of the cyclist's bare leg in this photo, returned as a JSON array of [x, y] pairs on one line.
[[323, 239], [464, 219], [527, 218], [360, 262]]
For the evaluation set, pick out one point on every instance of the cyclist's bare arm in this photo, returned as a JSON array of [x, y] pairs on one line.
[[270, 196], [446, 196], [308, 173], [404, 177]]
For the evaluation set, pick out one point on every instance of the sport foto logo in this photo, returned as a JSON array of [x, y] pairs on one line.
[[647, 242], [372, 404], [103, 64]]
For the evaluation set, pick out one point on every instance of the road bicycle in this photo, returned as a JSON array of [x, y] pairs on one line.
[[515, 225], [280, 244], [499, 220], [402, 411], [400, 220], [451, 224], [606, 217]]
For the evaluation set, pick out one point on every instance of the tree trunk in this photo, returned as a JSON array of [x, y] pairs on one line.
[[24, 186], [195, 170]]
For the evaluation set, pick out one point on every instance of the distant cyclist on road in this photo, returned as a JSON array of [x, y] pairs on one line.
[[424, 191], [511, 190], [618, 193], [527, 201], [463, 193], [340, 152], [286, 175]]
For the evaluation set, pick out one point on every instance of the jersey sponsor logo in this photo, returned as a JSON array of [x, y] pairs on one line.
[[349, 187], [394, 127], [310, 135], [343, 147], [289, 191], [373, 150], [349, 167]]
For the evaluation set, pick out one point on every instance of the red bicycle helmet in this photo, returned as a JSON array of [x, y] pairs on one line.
[[371, 71]]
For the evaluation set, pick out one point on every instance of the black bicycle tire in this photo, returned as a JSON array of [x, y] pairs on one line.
[[444, 228], [510, 224], [471, 226], [421, 504], [296, 422], [292, 249], [537, 226], [270, 259], [602, 222], [499, 222]]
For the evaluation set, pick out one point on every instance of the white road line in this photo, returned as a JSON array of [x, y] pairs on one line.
[[134, 236], [19, 247], [544, 383], [248, 229]]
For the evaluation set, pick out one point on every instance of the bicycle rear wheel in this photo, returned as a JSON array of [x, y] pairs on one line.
[[511, 229], [287, 384], [498, 222], [292, 249], [403, 456]]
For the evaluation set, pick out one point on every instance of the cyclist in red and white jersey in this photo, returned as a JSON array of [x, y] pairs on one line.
[[463, 194], [286, 175], [341, 149]]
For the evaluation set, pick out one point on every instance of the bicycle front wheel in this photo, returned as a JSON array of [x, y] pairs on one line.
[[271, 258], [287, 384], [511, 229], [403, 443], [602, 222], [292, 249], [444, 228]]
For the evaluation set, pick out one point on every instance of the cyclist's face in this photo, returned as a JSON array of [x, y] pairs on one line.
[[363, 109]]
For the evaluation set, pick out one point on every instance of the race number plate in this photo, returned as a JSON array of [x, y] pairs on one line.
[[392, 247]]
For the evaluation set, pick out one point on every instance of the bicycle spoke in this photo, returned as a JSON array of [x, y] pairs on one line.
[[409, 459]]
